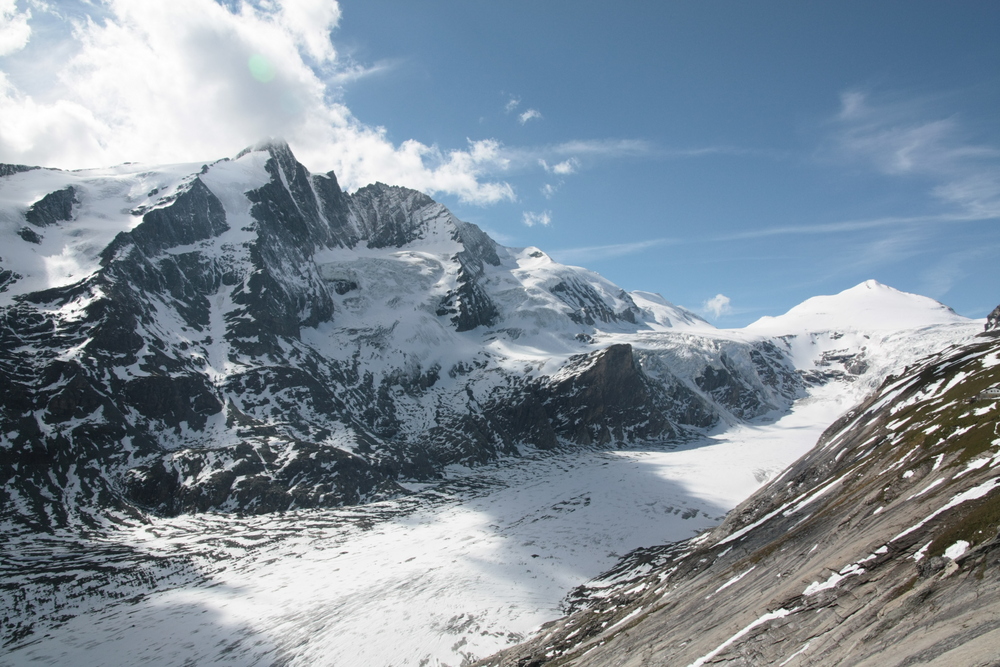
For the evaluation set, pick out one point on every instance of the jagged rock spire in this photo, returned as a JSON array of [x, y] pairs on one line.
[[993, 320]]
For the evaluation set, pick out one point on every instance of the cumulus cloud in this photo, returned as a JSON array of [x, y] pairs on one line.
[[718, 305], [186, 80], [512, 104], [14, 28], [531, 219], [530, 114]]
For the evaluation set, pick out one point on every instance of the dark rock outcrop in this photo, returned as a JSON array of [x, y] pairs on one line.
[[8, 169], [993, 320], [52, 208]]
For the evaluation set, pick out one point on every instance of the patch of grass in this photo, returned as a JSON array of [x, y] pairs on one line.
[[970, 444], [976, 522]]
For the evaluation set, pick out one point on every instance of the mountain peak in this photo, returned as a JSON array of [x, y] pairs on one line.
[[272, 145], [868, 306]]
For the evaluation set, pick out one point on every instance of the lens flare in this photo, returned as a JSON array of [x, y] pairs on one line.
[[260, 68]]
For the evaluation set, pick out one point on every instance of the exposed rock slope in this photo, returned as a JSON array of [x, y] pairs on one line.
[[993, 320], [879, 547]]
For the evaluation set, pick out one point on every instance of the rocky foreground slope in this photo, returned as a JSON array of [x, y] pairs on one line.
[[879, 547]]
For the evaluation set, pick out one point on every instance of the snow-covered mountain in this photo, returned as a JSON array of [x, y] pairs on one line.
[[243, 335], [870, 306], [862, 334]]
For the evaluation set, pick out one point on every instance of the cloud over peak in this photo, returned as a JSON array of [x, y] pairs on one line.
[[192, 79]]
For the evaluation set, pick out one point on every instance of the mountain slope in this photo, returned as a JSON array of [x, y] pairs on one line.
[[879, 547]]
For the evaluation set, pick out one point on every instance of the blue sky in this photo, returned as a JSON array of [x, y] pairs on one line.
[[765, 152]]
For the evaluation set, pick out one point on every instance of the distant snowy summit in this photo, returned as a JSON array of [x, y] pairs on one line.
[[870, 306]]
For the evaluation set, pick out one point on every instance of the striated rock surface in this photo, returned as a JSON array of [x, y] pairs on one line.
[[879, 547]]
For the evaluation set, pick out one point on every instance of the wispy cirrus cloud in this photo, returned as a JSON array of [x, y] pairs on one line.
[[942, 275], [845, 226], [531, 219], [356, 72], [607, 148], [570, 157], [591, 253], [903, 138]]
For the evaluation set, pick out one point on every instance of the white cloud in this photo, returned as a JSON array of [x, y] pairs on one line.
[[158, 81], [512, 104], [530, 114], [567, 167], [718, 305], [563, 168], [548, 190], [531, 219], [14, 28], [309, 23]]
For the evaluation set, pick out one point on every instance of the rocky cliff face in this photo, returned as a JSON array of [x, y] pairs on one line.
[[993, 320], [879, 547], [245, 336]]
